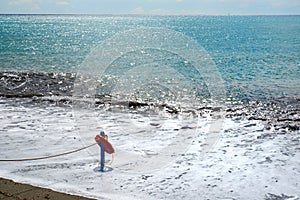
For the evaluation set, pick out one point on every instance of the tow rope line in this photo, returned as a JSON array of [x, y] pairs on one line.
[[46, 157]]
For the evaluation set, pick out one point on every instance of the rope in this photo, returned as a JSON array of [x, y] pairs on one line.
[[112, 159], [46, 157]]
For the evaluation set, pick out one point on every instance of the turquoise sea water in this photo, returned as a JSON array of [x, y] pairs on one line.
[[257, 55]]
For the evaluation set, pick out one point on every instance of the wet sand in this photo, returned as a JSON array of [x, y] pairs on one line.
[[12, 190]]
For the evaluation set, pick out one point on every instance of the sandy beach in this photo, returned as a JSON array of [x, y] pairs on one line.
[[16, 191]]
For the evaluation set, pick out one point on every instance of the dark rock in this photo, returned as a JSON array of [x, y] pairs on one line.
[[250, 125], [270, 196], [293, 127]]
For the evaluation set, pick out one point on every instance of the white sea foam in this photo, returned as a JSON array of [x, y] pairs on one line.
[[246, 162]]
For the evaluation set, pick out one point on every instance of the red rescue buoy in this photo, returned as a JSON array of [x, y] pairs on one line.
[[108, 148]]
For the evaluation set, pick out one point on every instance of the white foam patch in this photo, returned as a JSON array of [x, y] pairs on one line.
[[240, 165]]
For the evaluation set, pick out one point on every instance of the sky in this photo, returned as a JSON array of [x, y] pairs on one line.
[[151, 7]]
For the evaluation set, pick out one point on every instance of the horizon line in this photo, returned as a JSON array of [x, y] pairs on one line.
[[149, 15]]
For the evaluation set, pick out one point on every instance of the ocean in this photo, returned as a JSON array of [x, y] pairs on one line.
[[255, 55], [180, 97]]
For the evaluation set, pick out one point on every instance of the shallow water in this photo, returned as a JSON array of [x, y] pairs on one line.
[[158, 155]]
